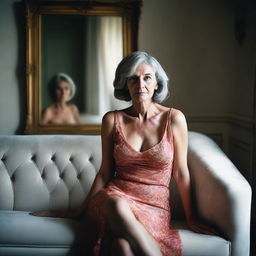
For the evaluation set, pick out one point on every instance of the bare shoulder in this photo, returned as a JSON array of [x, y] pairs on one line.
[[108, 121], [73, 107], [177, 117], [48, 114], [178, 124], [179, 128], [49, 110]]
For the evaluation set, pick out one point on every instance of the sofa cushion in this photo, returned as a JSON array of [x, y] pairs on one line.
[[21, 229], [195, 244], [36, 251]]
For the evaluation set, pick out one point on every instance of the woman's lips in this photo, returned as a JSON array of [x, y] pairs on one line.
[[139, 93]]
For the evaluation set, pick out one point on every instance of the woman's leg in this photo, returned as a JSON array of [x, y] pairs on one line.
[[123, 223]]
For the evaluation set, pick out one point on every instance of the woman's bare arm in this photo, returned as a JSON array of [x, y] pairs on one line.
[[181, 173], [180, 168]]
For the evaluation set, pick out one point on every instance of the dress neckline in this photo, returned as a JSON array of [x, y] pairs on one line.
[[149, 149]]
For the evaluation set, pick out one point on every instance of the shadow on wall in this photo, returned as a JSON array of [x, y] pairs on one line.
[[20, 72]]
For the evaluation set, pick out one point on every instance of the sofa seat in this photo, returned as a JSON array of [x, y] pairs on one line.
[[21, 231], [195, 244]]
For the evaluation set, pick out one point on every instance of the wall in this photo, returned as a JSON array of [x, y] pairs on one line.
[[12, 67], [195, 43]]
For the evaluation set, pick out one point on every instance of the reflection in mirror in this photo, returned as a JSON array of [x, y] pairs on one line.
[[87, 50], [61, 89]]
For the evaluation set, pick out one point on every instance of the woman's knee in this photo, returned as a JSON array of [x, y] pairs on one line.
[[121, 246], [117, 207]]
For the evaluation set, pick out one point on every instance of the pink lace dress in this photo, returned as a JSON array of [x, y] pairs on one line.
[[142, 180]]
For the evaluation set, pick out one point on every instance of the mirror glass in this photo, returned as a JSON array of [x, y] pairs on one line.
[[83, 51]]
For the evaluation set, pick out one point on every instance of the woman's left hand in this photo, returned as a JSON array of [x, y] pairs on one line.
[[200, 227]]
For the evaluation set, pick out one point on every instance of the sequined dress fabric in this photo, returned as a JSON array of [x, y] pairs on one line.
[[142, 180]]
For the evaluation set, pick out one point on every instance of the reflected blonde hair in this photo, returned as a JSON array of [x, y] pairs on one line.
[[61, 77]]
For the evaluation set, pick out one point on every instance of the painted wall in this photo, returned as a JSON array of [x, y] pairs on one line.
[[195, 41], [12, 67]]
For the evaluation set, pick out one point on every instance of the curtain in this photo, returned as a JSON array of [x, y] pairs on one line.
[[104, 50]]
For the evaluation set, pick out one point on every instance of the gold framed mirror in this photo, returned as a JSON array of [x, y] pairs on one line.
[[79, 43]]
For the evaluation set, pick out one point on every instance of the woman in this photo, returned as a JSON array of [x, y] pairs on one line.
[[62, 89], [143, 146]]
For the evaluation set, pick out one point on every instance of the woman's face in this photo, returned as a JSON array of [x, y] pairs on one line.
[[142, 84], [62, 91]]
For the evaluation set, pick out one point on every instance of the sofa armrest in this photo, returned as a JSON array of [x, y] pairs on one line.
[[222, 195]]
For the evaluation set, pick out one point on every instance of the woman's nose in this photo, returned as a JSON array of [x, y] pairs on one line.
[[140, 82]]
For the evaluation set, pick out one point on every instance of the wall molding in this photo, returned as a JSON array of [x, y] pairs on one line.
[[241, 144], [217, 137], [241, 121], [241, 152]]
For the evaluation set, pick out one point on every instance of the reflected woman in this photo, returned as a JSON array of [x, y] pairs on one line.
[[62, 90]]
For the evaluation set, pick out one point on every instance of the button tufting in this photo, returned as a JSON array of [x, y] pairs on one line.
[[90, 158], [33, 157], [12, 178], [3, 158], [71, 158], [53, 157], [79, 175]]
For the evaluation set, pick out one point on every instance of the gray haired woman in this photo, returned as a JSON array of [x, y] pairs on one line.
[[143, 147], [62, 90]]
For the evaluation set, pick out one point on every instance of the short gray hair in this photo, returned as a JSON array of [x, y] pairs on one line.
[[61, 77], [127, 67]]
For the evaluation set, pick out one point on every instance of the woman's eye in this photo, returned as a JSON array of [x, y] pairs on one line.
[[147, 78], [132, 79]]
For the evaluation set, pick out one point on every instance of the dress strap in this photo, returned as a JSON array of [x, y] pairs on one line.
[[116, 120], [115, 117], [168, 124]]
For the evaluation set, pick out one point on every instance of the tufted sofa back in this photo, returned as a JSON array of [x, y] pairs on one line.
[[47, 171], [41, 172]]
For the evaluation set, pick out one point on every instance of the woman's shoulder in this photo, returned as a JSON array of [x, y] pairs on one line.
[[177, 117], [72, 107], [49, 109], [108, 120]]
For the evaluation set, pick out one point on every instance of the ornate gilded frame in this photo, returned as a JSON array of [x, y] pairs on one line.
[[129, 10]]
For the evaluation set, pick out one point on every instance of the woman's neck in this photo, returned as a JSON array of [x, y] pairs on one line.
[[61, 104], [144, 110]]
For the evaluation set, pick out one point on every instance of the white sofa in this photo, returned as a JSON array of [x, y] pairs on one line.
[[39, 172]]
